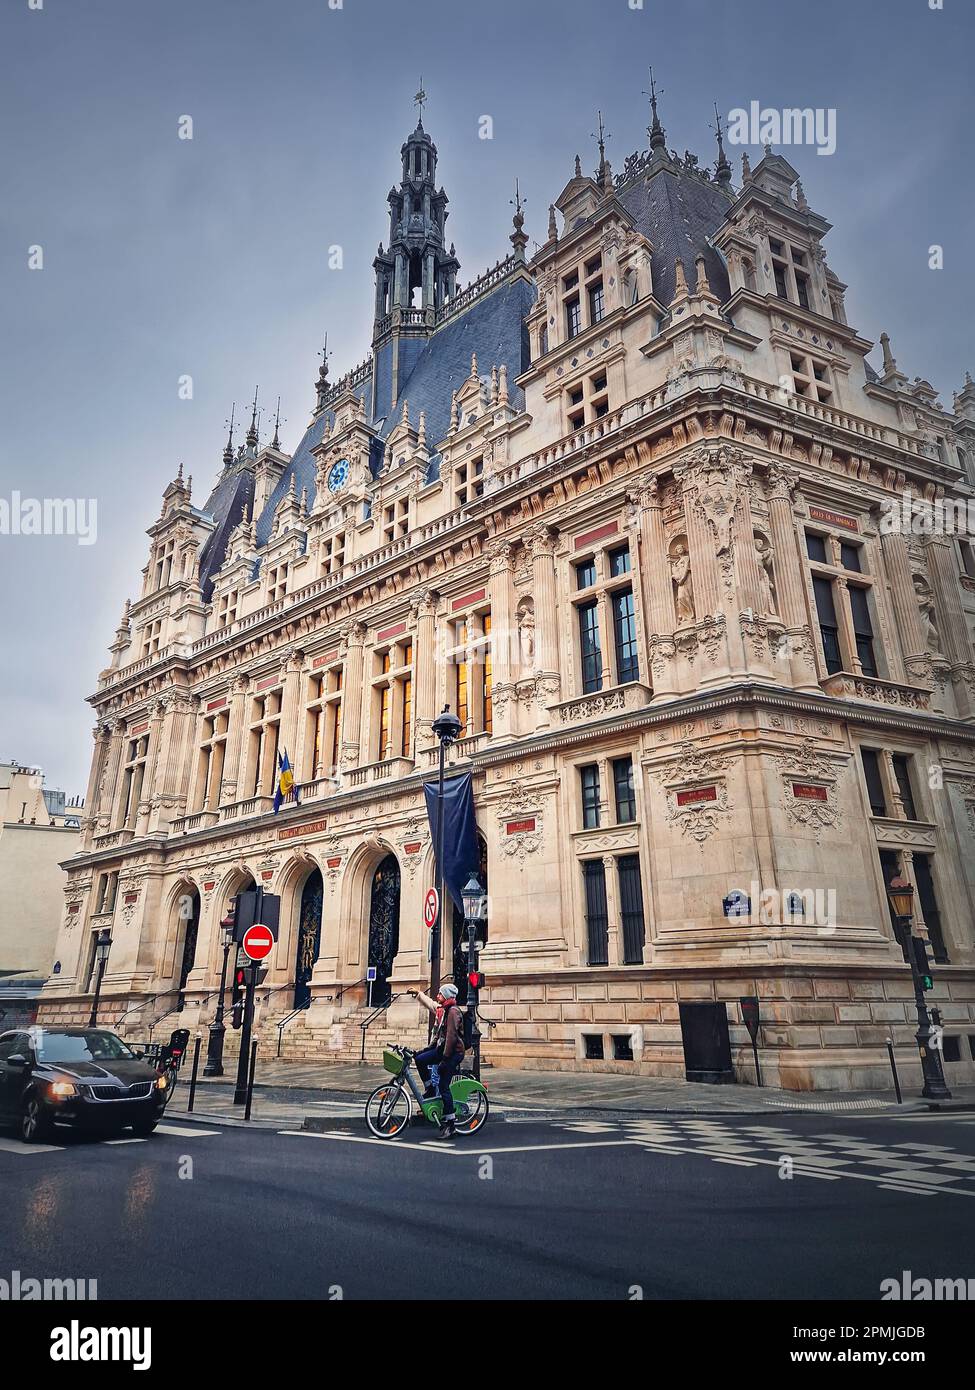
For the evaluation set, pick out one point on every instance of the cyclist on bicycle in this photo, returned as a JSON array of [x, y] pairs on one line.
[[446, 1050]]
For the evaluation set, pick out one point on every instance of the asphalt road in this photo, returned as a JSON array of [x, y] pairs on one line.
[[683, 1207]]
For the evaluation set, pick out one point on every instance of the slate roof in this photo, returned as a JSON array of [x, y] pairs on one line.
[[678, 212]]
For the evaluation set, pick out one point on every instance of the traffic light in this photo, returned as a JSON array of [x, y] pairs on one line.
[[237, 996], [921, 963], [475, 978]]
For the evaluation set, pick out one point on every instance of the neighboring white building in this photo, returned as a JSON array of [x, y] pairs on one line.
[[38, 829]]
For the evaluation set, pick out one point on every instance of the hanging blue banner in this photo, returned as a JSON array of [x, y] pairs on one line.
[[462, 855]]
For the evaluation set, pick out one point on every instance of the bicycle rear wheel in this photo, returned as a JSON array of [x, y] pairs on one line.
[[471, 1113], [389, 1110]]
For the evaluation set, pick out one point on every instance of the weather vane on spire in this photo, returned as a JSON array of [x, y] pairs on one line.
[[420, 99], [656, 132], [601, 135]]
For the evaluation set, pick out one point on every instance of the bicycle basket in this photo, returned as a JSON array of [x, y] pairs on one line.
[[393, 1062]]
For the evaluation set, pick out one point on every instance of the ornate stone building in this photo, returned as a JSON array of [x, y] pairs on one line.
[[622, 506]]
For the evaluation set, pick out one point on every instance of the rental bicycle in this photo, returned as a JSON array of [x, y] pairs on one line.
[[391, 1107]]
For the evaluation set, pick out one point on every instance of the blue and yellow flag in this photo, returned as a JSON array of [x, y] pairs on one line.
[[286, 783]]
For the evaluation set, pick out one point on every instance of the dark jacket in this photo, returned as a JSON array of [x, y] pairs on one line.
[[452, 1033]]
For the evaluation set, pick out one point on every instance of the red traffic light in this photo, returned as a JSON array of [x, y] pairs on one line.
[[475, 978]]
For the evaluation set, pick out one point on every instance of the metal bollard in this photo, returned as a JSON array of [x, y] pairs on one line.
[[893, 1068], [250, 1080], [196, 1064]]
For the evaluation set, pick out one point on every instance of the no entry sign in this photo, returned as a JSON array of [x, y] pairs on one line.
[[431, 906], [258, 942]]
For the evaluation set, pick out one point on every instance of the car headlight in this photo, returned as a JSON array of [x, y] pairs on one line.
[[63, 1089], [161, 1083]]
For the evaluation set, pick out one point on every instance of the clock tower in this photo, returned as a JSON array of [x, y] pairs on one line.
[[416, 275]]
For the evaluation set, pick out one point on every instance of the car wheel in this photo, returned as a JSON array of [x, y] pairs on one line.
[[36, 1126], [144, 1128]]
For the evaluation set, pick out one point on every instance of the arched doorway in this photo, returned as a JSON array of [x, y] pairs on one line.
[[384, 926], [309, 936], [188, 911], [460, 933]]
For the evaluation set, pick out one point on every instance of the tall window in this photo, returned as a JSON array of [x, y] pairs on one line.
[[164, 564], [929, 906], [323, 724], [874, 780], [573, 317], [133, 776], [597, 303], [631, 908], [107, 893], [213, 751], [472, 674], [589, 781], [592, 657], [624, 790], [902, 775], [828, 627], [393, 701], [262, 753], [862, 630], [597, 914], [227, 607], [624, 628]]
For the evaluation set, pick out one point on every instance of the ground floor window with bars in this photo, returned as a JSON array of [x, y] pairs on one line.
[[597, 910]]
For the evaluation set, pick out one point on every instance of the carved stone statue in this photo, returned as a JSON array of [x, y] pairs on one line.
[[925, 599], [763, 554], [680, 571], [526, 634]]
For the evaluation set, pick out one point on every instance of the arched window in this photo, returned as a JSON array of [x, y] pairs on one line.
[[188, 911], [309, 936], [384, 926]]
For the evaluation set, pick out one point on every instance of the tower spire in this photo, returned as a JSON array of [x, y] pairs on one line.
[[419, 100], [275, 442], [228, 453], [722, 170], [251, 437], [518, 238], [603, 173], [656, 132]]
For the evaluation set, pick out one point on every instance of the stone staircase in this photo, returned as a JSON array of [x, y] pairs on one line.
[[311, 1037]]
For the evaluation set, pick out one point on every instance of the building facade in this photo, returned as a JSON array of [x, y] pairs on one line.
[[39, 827], [624, 505]]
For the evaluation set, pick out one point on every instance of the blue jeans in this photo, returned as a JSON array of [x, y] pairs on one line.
[[429, 1059]]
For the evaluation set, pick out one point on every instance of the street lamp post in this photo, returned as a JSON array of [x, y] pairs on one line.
[[214, 1062], [475, 901], [447, 728], [901, 895], [103, 945]]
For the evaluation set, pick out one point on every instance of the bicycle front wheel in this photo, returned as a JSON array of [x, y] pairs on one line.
[[389, 1110]]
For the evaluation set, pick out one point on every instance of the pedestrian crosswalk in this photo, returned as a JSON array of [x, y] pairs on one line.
[[10, 1145], [900, 1166]]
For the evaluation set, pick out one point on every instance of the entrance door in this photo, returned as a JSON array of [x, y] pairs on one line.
[[309, 936], [384, 926]]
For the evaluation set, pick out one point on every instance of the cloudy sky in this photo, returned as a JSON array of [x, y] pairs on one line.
[[208, 257]]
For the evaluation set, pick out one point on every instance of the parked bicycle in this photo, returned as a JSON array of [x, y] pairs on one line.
[[391, 1107]]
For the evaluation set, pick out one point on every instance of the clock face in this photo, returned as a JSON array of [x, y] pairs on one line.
[[339, 475]]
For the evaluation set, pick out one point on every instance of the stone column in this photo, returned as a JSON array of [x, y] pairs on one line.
[[108, 788], [844, 620], [175, 762], [147, 791], [504, 635], [541, 543], [102, 742], [897, 563], [236, 743], [955, 641], [352, 679], [425, 658], [614, 921], [291, 714], [656, 586], [787, 571]]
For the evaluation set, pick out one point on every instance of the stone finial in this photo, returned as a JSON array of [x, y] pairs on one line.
[[890, 362], [421, 434], [494, 385], [454, 412], [703, 285], [746, 168], [801, 196], [405, 417], [680, 279], [553, 226], [503, 385], [578, 172], [473, 365]]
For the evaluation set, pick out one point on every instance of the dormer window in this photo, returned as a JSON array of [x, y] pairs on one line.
[[811, 378], [396, 520], [468, 481], [790, 273], [227, 608], [332, 553], [277, 582], [164, 564]]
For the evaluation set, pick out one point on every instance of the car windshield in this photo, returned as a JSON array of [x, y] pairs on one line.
[[80, 1047]]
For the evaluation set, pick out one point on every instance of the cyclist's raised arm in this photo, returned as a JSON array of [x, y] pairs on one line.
[[426, 1001]]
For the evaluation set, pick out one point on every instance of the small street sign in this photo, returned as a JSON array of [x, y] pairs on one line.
[[258, 942], [431, 906], [371, 971]]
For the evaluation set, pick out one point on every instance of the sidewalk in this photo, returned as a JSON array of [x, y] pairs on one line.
[[286, 1090]]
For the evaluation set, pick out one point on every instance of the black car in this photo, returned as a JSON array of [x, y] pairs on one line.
[[83, 1077]]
